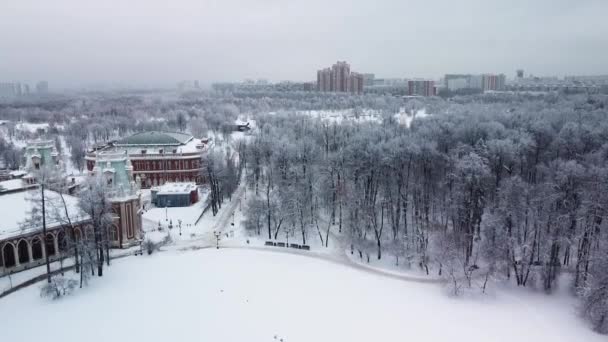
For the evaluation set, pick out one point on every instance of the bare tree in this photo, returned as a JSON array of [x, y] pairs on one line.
[[94, 202]]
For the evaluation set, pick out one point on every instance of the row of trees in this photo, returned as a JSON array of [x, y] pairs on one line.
[[223, 173], [503, 191]]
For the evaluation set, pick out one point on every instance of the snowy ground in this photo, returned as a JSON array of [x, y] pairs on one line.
[[240, 295]]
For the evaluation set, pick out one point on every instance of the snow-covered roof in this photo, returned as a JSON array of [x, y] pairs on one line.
[[155, 138], [13, 185], [175, 188], [192, 146], [18, 173], [16, 208]]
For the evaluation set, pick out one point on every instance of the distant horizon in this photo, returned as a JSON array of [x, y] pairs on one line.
[[117, 85], [71, 43]]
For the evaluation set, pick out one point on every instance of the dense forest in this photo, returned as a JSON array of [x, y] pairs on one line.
[[482, 192]]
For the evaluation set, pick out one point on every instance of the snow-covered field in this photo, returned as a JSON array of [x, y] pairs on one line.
[[243, 295]]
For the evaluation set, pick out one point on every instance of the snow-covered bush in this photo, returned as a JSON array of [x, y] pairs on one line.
[[58, 287], [151, 246]]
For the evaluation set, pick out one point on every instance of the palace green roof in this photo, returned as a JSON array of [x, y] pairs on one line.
[[155, 138]]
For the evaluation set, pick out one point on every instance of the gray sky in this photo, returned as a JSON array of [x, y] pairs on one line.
[[153, 42]]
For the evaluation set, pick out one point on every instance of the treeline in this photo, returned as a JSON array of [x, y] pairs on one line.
[[481, 192], [90, 118]]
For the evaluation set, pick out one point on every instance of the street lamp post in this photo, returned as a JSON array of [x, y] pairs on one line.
[[179, 222], [287, 232], [217, 239]]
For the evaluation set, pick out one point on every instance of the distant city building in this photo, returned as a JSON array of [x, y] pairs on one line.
[[285, 86], [393, 90], [355, 83], [520, 73], [388, 86], [324, 80], [421, 88], [590, 80], [9, 89], [340, 73], [457, 83], [485, 82], [476, 82], [42, 87], [368, 80], [569, 84], [493, 82], [455, 80], [388, 82], [339, 78], [187, 85]]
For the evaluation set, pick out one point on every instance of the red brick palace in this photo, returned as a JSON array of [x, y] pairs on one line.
[[158, 157]]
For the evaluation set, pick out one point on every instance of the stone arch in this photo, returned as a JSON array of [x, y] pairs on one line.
[[37, 248], [49, 244], [77, 234], [8, 255], [62, 241], [23, 251]]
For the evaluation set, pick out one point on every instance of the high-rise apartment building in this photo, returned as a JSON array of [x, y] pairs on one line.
[[368, 79], [355, 84], [324, 80], [493, 82], [340, 73], [339, 78], [421, 88], [453, 84], [455, 80], [9, 89]]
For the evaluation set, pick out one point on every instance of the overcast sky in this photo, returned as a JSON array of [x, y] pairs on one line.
[[153, 42]]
